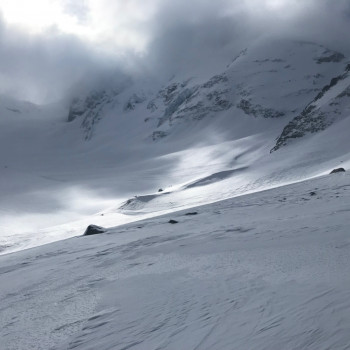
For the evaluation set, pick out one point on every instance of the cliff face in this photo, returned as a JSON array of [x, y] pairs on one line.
[[329, 106]]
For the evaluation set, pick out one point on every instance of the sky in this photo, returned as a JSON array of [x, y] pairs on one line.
[[47, 47]]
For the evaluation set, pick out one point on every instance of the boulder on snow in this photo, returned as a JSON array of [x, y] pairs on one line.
[[94, 230], [338, 170], [160, 190], [172, 221]]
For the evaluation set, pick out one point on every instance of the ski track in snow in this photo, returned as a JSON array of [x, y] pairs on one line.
[[267, 270]]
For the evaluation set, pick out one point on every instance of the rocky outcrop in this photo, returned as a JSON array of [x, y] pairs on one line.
[[257, 110], [94, 230], [308, 122], [325, 109], [134, 100], [90, 109], [157, 135], [330, 56], [338, 170], [186, 101]]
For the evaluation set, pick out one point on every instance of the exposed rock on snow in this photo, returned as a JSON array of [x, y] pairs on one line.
[[94, 230], [330, 105], [157, 135], [330, 56], [338, 170], [91, 109], [257, 110], [133, 101]]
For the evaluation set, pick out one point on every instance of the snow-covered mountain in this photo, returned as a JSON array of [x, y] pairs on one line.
[[103, 156], [223, 226], [274, 79]]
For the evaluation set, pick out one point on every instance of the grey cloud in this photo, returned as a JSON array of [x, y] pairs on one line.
[[42, 68], [200, 35], [195, 36], [186, 37], [80, 10]]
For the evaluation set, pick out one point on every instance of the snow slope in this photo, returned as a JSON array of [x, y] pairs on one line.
[[267, 270]]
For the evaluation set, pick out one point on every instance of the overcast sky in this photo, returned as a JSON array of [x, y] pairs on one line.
[[47, 46]]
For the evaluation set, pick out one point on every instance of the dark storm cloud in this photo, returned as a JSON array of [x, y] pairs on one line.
[[196, 35], [199, 35], [324, 21], [41, 68], [185, 37]]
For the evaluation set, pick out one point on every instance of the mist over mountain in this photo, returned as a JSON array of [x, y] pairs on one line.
[[168, 38], [256, 79]]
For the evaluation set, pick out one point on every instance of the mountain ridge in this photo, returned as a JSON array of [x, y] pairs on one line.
[[275, 85]]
